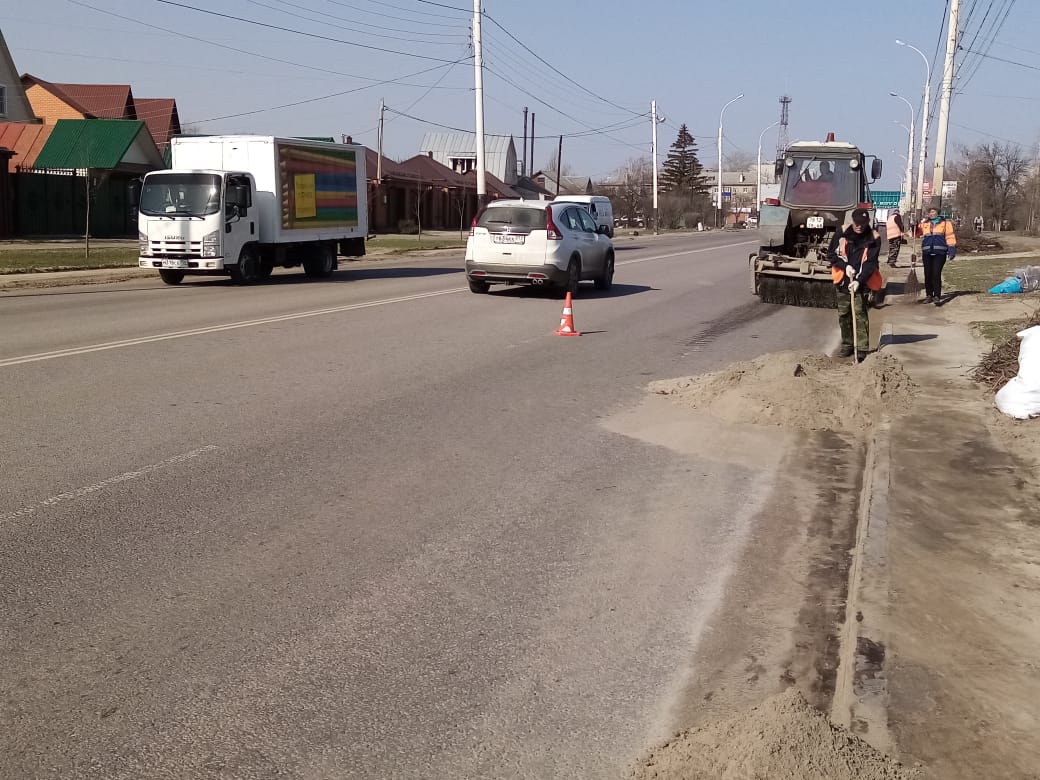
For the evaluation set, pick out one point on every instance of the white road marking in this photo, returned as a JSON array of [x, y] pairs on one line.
[[685, 252], [126, 476], [73, 351], [216, 328]]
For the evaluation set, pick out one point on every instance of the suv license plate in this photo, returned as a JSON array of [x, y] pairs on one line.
[[507, 239], [174, 263], [814, 223]]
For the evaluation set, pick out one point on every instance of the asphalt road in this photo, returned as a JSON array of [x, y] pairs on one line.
[[372, 527]]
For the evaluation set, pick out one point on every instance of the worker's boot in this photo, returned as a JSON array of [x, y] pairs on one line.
[[846, 350]]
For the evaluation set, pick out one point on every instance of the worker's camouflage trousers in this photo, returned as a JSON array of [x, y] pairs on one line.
[[845, 315]]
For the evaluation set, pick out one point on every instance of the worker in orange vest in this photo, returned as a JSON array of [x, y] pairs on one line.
[[853, 254], [938, 244], [894, 232]]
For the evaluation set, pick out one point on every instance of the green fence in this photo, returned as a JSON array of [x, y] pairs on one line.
[[49, 202]]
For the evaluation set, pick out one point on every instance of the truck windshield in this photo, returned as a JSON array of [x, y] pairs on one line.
[[180, 194], [812, 181]]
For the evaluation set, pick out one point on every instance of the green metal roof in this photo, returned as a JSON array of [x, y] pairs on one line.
[[88, 143]]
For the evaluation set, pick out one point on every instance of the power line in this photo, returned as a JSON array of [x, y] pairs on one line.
[[457, 36], [555, 69], [442, 5], [217, 44], [1009, 62], [579, 134], [554, 108], [314, 99], [398, 17], [301, 32]]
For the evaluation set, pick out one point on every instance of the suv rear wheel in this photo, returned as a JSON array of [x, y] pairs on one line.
[[478, 287], [573, 279]]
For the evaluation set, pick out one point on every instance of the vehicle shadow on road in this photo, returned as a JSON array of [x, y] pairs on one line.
[[588, 292]]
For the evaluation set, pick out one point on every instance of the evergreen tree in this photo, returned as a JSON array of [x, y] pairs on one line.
[[682, 173]]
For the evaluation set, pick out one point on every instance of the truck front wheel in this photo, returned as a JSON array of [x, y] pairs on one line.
[[171, 277], [248, 268]]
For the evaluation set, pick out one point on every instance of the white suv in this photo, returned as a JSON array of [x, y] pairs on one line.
[[539, 243]]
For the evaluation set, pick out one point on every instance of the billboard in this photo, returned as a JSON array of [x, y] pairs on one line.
[[318, 187]]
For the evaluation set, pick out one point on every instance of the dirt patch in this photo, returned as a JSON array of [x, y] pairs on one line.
[[979, 242], [784, 738], [807, 392]]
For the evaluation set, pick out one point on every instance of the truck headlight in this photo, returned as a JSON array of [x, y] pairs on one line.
[[211, 244], [142, 241]]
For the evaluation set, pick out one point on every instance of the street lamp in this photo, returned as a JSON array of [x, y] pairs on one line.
[[924, 126], [718, 204], [758, 171], [909, 180]]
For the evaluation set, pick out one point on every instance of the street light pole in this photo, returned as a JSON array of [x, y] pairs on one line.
[[718, 203], [909, 154], [758, 171], [924, 126]]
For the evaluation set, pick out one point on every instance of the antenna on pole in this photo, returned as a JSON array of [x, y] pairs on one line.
[[783, 139]]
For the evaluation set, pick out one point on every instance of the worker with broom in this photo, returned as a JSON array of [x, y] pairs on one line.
[[938, 244], [853, 254]]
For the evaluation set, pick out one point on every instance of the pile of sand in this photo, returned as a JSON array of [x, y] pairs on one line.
[[784, 738], [811, 392]]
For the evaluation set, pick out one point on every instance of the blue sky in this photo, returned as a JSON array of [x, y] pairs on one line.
[[838, 62]]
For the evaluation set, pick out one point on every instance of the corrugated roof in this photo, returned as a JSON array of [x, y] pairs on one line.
[[464, 143], [25, 140], [432, 172], [160, 114], [495, 185], [104, 101], [88, 143]]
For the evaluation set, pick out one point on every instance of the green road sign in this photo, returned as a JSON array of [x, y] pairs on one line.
[[886, 199]]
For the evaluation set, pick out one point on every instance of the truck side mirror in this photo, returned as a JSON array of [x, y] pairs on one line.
[[778, 168], [875, 169], [134, 193]]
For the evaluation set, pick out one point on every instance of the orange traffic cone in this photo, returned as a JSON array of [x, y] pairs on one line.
[[567, 321]]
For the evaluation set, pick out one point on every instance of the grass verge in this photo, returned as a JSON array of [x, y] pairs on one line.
[[978, 274], [18, 261], [399, 245]]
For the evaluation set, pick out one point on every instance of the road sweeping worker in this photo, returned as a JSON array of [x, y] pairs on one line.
[[853, 255]]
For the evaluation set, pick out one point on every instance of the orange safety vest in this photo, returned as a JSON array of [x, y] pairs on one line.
[[893, 230], [875, 282]]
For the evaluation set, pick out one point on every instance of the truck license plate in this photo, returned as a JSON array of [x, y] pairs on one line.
[[814, 223], [174, 262], [507, 239]]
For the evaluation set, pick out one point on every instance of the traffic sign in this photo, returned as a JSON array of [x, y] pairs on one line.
[[886, 199]]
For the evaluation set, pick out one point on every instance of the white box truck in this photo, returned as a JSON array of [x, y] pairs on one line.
[[243, 205]]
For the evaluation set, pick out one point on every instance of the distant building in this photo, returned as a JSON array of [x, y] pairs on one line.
[[14, 105], [52, 102], [458, 151], [568, 185]]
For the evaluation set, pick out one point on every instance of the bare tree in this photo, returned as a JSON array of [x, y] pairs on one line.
[[991, 182], [632, 188], [551, 166], [739, 161]]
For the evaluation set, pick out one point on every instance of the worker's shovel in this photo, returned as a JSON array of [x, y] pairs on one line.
[[855, 335]]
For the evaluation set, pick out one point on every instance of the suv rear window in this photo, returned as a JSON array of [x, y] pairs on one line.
[[512, 217]]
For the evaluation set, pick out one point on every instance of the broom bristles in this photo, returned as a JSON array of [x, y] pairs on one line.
[[912, 288]]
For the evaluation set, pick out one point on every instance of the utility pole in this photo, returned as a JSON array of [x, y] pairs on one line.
[[944, 106], [559, 166], [478, 84], [653, 152], [532, 142], [379, 144], [523, 165]]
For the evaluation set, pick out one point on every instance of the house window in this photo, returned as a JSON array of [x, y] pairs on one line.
[[463, 164], [3, 100]]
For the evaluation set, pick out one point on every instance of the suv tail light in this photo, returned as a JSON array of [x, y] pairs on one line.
[[476, 218], [551, 231]]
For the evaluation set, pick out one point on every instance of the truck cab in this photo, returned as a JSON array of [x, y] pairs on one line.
[[195, 221]]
